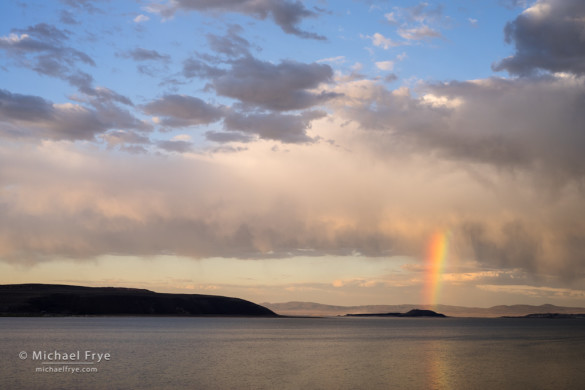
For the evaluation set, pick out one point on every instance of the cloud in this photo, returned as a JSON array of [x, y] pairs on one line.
[[198, 68], [141, 19], [421, 13], [542, 293], [335, 60], [124, 137], [66, 17], [391, 18], [515, 248], [182, 111], [83, 5], [43, 31], [103, 95], [231, 45], [286, 14], [175, 145], [59, 200], [274, 126], [29, 116], [26, 116], [181, 214], [286, 86], [549, 36], [42, 48], [116, 117], [418, 33], [385, 65], [141, 54], [532, 125], [419, 22], [150, 62], [527, 246], [226, 137], [380, 40], [513, 3]]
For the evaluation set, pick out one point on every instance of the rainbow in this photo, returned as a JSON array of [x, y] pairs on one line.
[[437, 255]]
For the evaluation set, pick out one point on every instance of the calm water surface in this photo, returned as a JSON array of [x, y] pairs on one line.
[[295, 353]]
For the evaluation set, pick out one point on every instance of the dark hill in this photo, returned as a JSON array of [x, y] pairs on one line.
[[51, 299]]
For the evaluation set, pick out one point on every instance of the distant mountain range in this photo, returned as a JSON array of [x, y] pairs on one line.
[[64, 300], [317, 309]]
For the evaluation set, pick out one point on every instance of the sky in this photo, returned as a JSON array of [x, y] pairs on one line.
[[344, 152]]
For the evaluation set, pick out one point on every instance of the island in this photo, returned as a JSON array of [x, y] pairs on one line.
[[411, 313], [66, 300], [550, 315]]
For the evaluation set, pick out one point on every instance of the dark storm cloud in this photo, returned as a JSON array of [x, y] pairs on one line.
[[528, 124], [285, 13], [536, 124], [518, 245], [274, 126], [282, 87], [548, 36], [182, 111]]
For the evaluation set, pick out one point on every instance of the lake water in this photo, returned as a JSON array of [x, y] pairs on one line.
[[292, 353]]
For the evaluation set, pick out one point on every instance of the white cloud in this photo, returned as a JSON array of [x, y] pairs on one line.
[[141, 18], [337, 60], [418, 33], [380, 40], [390, 17], [385, 65]]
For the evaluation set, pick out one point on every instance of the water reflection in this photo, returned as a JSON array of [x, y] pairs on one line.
[[437, 365]]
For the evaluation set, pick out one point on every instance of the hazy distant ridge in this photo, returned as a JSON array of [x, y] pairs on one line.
[[317, 309]]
